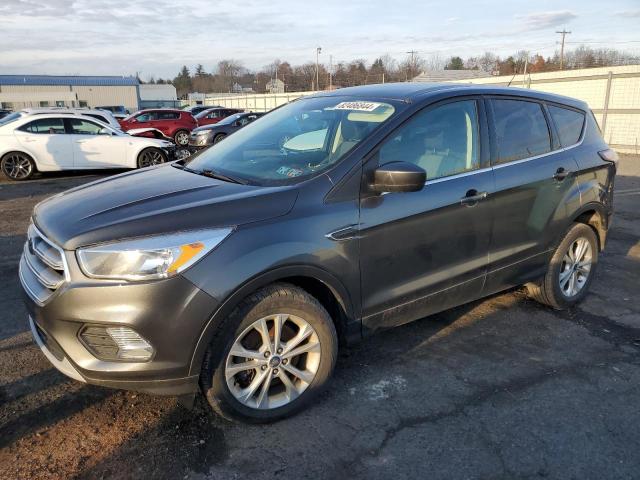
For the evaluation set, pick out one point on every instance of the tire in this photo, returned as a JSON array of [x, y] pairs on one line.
[[18, 166], [181, 138], [150, 157], [218, 138], [555, 289], [225, 389]]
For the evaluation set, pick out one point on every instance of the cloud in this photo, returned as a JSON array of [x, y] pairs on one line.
[[541, 20], [628, 13]]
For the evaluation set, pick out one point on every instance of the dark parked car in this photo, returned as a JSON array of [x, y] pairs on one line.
[[115, 109], [196, 109], [4, 112], [214, 115], [176, 124], [340, 214], [206, 136]]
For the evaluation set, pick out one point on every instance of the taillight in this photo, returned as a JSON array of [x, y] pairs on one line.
[[609, 155]]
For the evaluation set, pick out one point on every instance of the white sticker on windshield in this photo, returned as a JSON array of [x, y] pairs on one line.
[[358, 106]]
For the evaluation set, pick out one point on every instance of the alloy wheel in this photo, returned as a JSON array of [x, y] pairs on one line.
[[182, 138], [576, 267], [17, 166], [151, 157], [273, 361]]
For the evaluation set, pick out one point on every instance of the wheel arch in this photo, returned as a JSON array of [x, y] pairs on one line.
[[323, 286], [594, 215]]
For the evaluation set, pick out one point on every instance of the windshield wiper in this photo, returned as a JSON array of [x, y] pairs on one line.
[[211, 174]]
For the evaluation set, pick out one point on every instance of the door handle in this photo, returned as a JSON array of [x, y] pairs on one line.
[[561, 174], [473, 197], [80, 141]]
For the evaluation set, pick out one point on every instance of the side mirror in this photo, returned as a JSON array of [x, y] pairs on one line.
[[398, 177]]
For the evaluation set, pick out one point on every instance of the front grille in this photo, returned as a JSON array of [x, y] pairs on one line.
[[42, 266]]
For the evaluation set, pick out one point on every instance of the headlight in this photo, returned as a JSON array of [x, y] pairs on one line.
[[150, 257], [202, 133]]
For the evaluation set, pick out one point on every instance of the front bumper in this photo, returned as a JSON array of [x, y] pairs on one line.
[[170, 314]]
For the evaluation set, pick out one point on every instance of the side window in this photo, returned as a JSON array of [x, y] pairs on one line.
[[443, 141], [147, 117], [84, 127], [168, 116], [214, 114], [569, 124], [49, 126], [521, 130]]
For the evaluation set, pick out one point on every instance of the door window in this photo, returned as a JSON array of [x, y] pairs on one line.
[[84, 127], [147, 117], [168, 115], [569, 124], [521, 130], [45, 125], [443, 140]]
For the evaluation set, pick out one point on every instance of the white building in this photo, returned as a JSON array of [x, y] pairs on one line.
[[21, 91]]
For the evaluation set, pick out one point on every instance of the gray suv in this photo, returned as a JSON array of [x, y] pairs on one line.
[[241, 270]]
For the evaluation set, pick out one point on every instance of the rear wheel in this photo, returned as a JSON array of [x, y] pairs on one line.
[[18, 166], [272, 356], [151, 156], [570, 271], [219, 138], [181, 138]]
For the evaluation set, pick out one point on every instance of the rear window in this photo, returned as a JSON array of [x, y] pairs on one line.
[[521, 130], [45, 125], [569, 124]]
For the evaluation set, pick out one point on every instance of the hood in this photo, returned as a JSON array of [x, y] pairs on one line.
[[152, 201], [206, 128]]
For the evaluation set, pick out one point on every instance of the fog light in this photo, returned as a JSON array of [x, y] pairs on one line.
[[116, 343]]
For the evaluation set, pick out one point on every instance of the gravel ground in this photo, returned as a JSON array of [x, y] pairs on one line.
[[500, 388]]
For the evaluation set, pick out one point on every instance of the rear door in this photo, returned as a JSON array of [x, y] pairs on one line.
[[535, 185], [94, 146], [425, 251], [46, 140], [167, 122]]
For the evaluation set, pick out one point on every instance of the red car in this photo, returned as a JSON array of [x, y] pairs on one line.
[[214, 115], [173, 123]]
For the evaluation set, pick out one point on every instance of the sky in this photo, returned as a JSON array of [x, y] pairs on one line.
[[156, 37]]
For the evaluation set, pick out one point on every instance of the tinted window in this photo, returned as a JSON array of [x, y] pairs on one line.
[[443, 141], [45, 125], [84, 127], [168, 115], [569, 124], [521, 130], [147, 117]]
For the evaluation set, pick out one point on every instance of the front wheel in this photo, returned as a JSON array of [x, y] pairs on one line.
[[570, 271], [218, 138], [18, 166], [181, 138], [151, 156], [272, 356]]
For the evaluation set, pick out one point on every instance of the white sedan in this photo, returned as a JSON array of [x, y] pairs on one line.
[[64, 142]]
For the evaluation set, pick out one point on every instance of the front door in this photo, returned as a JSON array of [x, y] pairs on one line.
[[425, 251], [94, 146]]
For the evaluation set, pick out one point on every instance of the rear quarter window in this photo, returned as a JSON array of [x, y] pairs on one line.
[[569, 124], [521, 129]]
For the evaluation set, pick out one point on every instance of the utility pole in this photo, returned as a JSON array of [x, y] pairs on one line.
[[563, 33], [411, 63], [318, 51], [330, 72]]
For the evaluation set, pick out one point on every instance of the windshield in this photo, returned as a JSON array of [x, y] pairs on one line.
[[295, 142], [10, 118]]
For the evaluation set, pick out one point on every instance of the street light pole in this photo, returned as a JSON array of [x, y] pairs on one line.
[[318, 51]]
